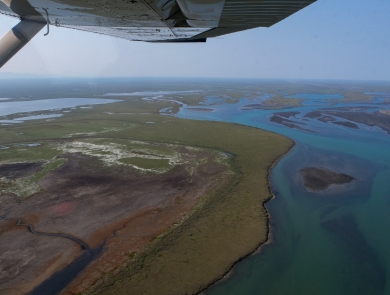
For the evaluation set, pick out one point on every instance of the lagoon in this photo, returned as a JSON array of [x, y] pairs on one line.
[[334, 242]]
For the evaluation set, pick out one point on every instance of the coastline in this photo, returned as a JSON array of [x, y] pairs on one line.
[[301, 233], [221, 232], [269, 239]]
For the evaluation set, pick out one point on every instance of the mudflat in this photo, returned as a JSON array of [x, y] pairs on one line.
[[379, 118], [288, 123], [319, 178], [16, 170], [200, 109], [347, 124], [94, 202]]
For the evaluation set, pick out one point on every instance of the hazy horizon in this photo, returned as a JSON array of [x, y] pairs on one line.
[[3, 76], [329, 39]]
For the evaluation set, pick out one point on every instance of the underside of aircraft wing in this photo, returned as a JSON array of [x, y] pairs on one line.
[[148, 20]]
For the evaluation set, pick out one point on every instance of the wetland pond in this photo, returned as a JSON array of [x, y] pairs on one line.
[[333, 241]]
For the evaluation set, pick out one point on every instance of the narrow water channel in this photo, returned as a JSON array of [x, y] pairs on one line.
[[58, 281]]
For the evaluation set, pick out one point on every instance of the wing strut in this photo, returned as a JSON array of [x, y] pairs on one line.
[[19, 36], [48, 22]]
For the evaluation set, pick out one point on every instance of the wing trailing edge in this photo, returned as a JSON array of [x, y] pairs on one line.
[[173, 21]]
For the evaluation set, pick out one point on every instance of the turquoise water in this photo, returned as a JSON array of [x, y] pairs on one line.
[[333, 242]]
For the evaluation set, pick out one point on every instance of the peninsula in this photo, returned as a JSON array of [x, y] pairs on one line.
[[171, 206]]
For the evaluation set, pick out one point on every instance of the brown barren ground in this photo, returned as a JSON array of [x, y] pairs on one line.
[[93, 202]]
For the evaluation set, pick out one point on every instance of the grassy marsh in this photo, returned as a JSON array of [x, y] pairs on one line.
[[228, 224], [231, 223]]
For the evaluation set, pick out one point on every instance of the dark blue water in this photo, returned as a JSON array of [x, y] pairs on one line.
[[333, 242], [58, 281]]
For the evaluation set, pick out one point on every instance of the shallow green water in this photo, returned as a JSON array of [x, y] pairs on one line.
[[334, 242]]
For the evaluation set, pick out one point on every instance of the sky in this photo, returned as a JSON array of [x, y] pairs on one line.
[[330, 39]]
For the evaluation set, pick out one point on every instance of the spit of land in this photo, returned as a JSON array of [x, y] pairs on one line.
[[176, 203]]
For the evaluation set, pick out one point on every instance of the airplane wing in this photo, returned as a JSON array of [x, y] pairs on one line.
[[144, 20]]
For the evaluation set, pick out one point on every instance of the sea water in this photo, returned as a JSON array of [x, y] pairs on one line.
[[331, 242]]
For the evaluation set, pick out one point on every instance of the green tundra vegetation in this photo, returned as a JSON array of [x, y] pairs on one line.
[[230, 223]]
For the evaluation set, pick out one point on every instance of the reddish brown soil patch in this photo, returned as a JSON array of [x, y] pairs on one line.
[[63, 208], [92, 202]]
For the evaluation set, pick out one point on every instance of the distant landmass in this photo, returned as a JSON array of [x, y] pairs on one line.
[[10, 75]]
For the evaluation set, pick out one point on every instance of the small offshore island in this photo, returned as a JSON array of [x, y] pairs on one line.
[[318, 179]]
